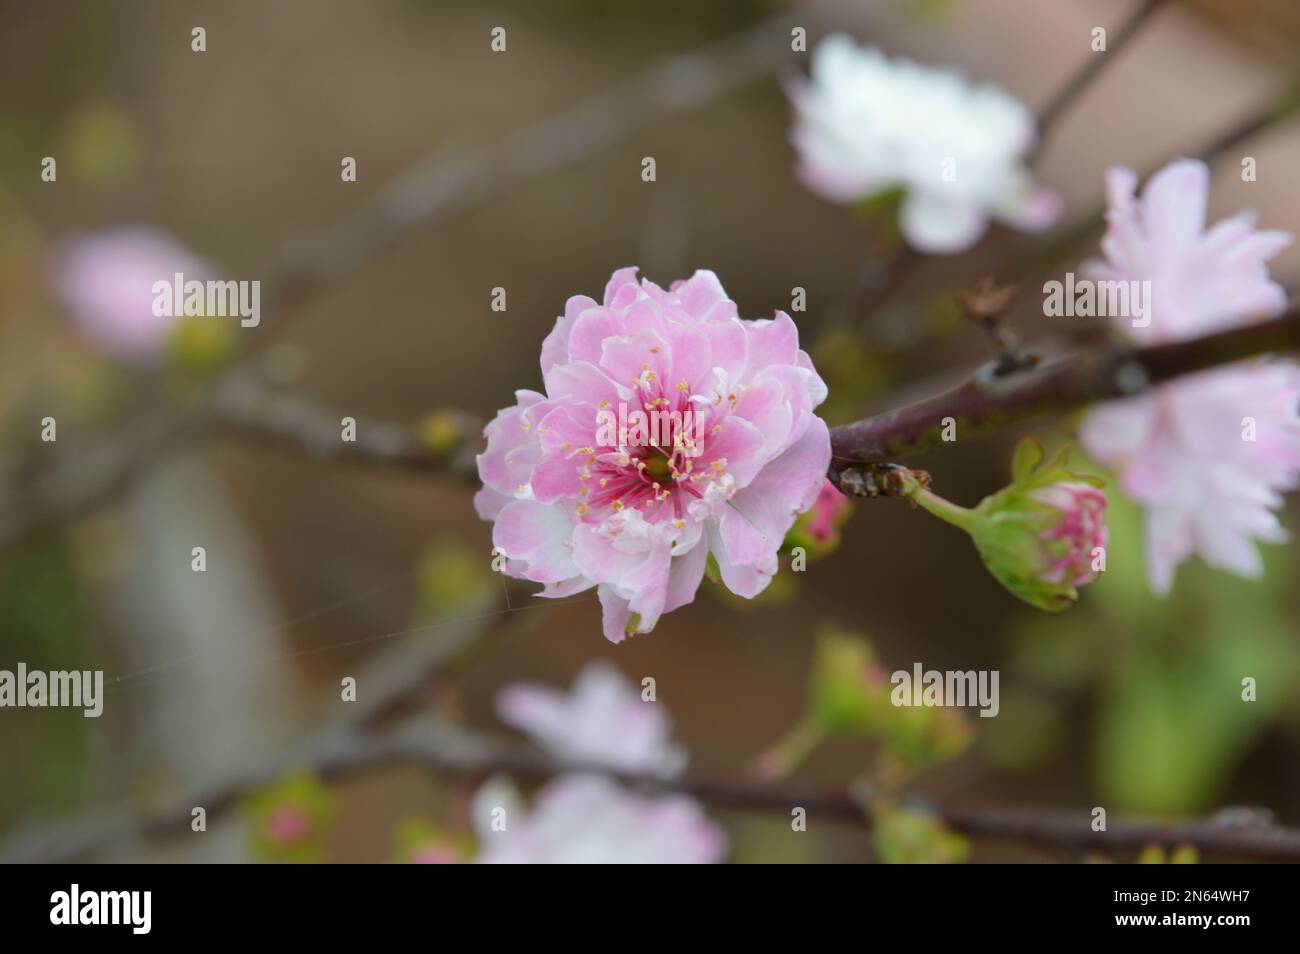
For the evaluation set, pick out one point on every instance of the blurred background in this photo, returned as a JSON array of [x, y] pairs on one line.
[[317, 571]]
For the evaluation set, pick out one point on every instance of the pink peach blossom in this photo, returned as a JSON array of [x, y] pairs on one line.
[[1210, 455], [576, 508], [602, 721], [589, 819], [105, 279]]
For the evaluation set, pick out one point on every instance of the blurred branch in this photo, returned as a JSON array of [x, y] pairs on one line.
[[1056, 107], [990, 400], [59, 480], [387, 681], [1282, 108], [440, 187], [444, 444], [445, 749]]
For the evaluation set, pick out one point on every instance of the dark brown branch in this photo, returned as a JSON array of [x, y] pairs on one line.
[[988, 401], [449, 750], [993, 398]]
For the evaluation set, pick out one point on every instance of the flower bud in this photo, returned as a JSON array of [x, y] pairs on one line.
[[818, 530], [1044, 534], [849, 690]]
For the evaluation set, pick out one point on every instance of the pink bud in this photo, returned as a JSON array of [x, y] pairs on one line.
[[1078, 532], [288, 825]]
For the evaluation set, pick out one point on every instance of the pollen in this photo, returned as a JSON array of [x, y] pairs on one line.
[[617, 505], [582, 509]]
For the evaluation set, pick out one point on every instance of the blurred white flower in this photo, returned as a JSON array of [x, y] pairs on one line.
[[601, 722], [865, 124], [588, 819], [105, 279]]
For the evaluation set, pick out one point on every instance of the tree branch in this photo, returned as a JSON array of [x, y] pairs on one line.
[[1056, 107], [445, 444], [989, 401], [449, 750]]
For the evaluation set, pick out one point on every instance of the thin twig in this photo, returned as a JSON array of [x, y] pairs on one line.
[[444, 444], [1068, 94], [440, 187]]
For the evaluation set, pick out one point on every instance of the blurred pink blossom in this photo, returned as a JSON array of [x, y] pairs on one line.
[[105, 279], [602, 721], [436, 855], [588, 819], [288, 825], [1210, 455], [826, 512], [865, 124], [575, 508]]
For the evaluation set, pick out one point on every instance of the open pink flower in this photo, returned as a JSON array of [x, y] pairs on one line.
[[602, 721], [1209, 455], [106, 281], [583, 494]]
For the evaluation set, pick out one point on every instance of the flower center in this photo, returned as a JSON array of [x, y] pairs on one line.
[[656, 466]]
